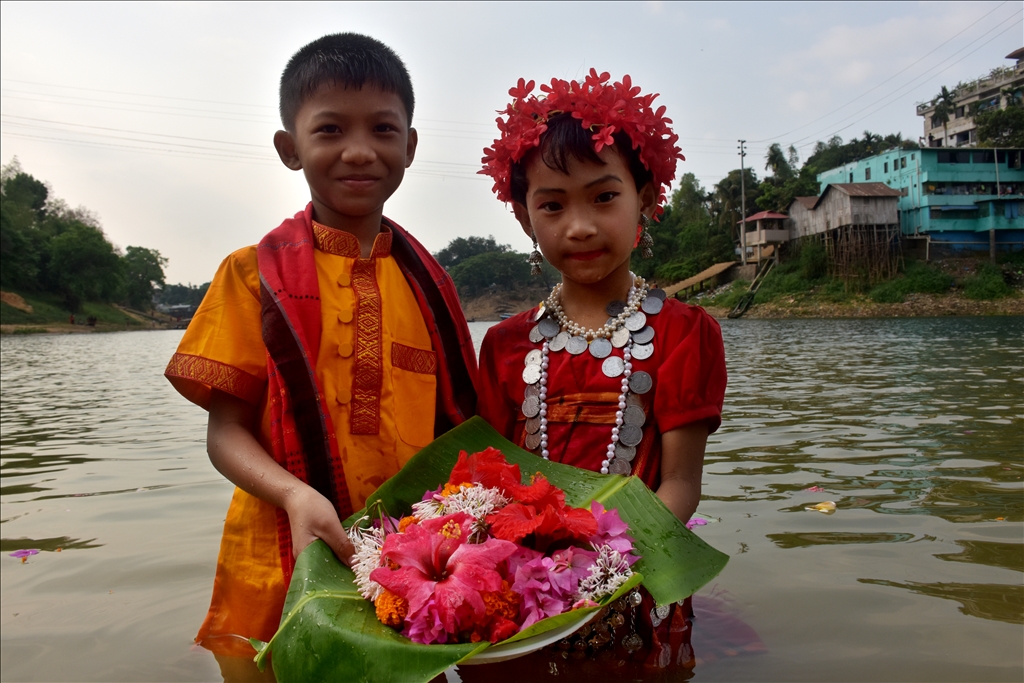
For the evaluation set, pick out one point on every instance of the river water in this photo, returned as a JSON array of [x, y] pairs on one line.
[[913, 427]]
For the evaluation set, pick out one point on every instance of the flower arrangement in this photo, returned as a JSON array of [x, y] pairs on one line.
[[484, 556], [603, 107]]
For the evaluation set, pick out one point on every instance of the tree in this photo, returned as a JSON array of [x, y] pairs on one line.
[[945, 105], [85, 266], [144, 275], [1001, 127], [493, 270], [462, 248]]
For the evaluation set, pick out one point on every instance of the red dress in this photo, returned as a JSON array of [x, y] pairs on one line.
[[689, 378]]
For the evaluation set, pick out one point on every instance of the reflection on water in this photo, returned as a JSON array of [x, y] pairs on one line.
[[913, 428]]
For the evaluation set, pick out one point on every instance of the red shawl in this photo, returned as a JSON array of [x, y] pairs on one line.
[[302, 436]]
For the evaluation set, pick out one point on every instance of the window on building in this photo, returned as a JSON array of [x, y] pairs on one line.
[[903, 161], [959, 112], [851, 176], [983, 157], [911, 156], [942, 157], [885, 167], [867, 173]]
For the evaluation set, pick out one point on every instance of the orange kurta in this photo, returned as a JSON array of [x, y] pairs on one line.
[[374, 348]]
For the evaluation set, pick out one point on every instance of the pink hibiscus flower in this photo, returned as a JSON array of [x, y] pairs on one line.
[[612, 531], [440, 574]]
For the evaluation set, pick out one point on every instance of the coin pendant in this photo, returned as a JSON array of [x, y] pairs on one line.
[[640, 382], [531, 374], [535, 336], [541, 310], [619, 467], [548, 328], [532, 441], [634, 415], [652, 306], [615, 307], [632, 643], [655, 619], [576, 345], [630, 435], [558, 343], [644, 335], [600, 348], [534, 390], [531, 406], [642, 351], [620, 337], [657, 293], [636, 321], [533, 357], [533, 425], [612, 366], [635, 599], [663, 611], [624, 452]]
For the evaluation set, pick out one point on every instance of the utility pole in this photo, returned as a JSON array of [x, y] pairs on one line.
[[743, 205]]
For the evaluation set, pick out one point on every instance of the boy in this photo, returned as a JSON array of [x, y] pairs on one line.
[[331, 352]]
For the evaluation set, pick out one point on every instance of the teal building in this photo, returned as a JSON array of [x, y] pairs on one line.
[[958, 198]]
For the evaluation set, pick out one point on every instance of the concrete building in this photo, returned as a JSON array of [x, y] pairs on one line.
[[1003, 87], [955, 198]]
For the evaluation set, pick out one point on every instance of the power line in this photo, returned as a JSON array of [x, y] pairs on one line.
[[956, 35]]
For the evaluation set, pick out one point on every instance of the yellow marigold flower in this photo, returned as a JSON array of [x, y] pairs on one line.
[[406, 522], [391, 609], [449, 489]]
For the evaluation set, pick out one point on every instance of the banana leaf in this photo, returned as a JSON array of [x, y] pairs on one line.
[[329, 632]]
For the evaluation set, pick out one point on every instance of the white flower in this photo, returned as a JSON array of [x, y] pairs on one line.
[[367, 542], [609, 571]]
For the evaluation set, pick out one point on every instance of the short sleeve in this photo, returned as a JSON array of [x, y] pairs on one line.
[[492, 402], [223, 345], [691, 381]]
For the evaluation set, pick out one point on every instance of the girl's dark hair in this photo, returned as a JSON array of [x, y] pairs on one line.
[[346, 59], [565, 138]]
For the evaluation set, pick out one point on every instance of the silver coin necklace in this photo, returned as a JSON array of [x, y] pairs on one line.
[[625, 329]]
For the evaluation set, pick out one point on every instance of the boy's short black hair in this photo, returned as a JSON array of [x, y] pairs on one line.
[[566, 138], [348, 59]]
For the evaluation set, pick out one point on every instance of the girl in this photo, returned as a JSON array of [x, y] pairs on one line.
[[605, 374]]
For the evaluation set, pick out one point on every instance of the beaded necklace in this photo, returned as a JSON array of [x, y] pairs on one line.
[[627, 329]]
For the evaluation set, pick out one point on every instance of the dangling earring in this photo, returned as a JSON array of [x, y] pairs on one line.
[[646, 241], [535, 259]]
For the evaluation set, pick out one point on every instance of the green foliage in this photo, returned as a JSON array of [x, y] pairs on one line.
[[834, 153], [813, 260], [144, 275], [85, 266], [784, 279], [463, 248], [986, 284], [919, 277], [1001, 127], [730, 297], [491, 271], [173, 295], [49, 309]]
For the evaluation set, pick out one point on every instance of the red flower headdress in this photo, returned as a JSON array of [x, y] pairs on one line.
[[602, 107]]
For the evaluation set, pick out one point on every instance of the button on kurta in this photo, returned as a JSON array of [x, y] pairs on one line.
[[344, 349], [345, 315], [344, 395], [345, 279]]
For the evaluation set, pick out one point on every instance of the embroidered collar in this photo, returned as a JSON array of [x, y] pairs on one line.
[[341, 243]]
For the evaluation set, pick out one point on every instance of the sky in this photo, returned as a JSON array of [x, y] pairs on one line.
[[159, 117]]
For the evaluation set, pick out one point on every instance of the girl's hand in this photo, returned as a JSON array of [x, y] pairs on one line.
[[312, 516]]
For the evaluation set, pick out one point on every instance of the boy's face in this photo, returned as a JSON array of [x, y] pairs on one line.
[[353, 146], [585, 221]]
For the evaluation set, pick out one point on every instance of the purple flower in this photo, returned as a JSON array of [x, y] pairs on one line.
[[542, 597], [24, 553], [611, 531], [696, 521]]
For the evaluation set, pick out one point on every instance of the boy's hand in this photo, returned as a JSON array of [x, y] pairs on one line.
[[311, 517]]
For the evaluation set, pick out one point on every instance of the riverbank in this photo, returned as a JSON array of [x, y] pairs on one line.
[[43, 314]]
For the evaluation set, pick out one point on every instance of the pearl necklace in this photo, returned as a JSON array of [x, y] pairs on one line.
[[637, 293], [619, 453]]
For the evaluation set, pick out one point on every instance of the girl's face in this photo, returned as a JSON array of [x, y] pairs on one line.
[[585, 222]]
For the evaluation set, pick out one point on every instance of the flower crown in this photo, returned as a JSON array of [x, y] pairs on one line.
[[602, 107]]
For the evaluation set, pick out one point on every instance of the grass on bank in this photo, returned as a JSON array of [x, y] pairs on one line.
[[47, 310], [805, 278]]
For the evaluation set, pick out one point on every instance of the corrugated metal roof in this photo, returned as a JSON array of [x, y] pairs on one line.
[[864, 190], [699, 277], [765, 215]]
